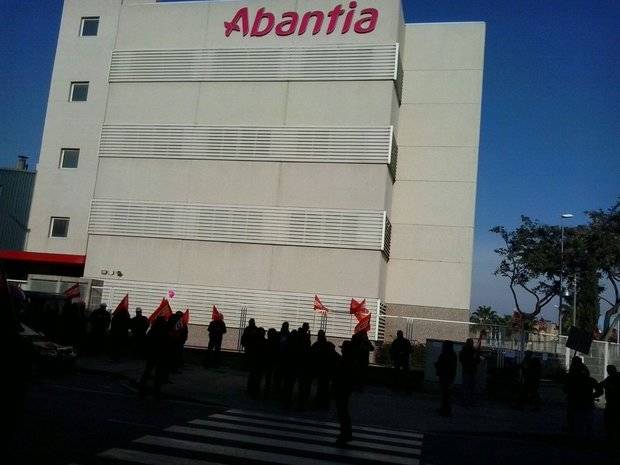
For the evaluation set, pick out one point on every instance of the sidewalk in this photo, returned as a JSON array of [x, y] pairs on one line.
[[375, 406]]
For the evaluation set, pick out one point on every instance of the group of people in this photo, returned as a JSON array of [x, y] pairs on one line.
[[446, 368], [286, 362], [581, 389], [581, 392]]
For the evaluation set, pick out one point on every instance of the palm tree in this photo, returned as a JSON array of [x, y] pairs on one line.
[[484, 315]]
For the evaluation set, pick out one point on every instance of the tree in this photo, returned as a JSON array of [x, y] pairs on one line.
[[485, 315], [604, 248], [530, 260]]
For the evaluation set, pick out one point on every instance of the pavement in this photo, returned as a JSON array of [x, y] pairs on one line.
[[93, 416], [376, 404]]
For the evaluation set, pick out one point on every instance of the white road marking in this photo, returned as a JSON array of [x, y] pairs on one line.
[[315, 429], [405, 434], [295, 445], [310, 437], [148, 458]]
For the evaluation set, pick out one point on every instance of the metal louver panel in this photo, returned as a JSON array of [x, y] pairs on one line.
[[315, 63], [281, 144], [268, 308], [347, 229]]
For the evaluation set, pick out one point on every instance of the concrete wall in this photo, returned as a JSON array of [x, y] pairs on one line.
[[67, 192], [434, 195], [311, 185]]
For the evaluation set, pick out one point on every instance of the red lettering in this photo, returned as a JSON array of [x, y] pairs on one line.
[[349, 18], [256, 27], [290, 24], [369, 23], [334, 16], [241, 15], [264, 21], [318, 22]]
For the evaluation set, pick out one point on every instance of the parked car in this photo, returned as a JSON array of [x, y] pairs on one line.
[[48, 353]]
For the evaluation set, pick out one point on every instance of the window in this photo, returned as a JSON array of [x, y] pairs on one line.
[[89, 26], [69, 158], [59, 227], [79, 92]]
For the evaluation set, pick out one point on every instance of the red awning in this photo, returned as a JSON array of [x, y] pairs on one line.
[[40, 257]]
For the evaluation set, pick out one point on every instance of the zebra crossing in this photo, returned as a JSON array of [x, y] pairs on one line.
[[250, 437]]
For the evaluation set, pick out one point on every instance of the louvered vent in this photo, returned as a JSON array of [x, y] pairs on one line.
[[346, 229], [316, 63], [285, 144], [268, 308]]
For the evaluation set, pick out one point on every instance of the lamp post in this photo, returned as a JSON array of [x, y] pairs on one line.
[[575, 300], [563, 217]]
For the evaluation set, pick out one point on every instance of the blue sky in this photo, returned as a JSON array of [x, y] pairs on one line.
[[550, 135]]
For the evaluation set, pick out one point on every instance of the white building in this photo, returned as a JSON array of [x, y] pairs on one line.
[[258, 153]]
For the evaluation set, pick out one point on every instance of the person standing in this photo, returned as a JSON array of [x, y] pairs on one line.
[[581, 390], [400, 351], [446, 372], [469, 358], [256, 359], [139, 326], [216, 330], [99, 324], [343, 386], [157, 358], [323, 354], [361, 347], [531, 370], [611, 386]]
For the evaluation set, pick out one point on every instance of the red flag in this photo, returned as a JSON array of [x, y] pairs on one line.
[[358, 307], [216, 315], [364, 323], [185, 318], [163, 310], [123, 306], [73, 292], [318, 305]]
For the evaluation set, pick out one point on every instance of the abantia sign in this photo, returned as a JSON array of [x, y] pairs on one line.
[[336, 20]]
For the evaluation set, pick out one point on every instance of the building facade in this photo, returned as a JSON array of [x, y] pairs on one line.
[[254, 154], [16, 185]]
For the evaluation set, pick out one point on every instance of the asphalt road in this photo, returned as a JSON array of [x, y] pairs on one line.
[[72, 419]]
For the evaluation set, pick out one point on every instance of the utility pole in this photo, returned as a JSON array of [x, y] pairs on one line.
[[575, 300]]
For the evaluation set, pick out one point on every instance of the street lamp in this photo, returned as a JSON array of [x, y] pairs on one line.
[[564, 216]]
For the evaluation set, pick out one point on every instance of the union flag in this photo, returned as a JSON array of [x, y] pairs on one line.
[[358, 307], [319, 307], [162, 310], [73, 292], [216, 315], [364, 323], [123, 306], [185, 318]]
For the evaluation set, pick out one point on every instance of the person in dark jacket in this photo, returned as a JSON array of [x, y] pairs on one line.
[[119, 334], [470, 359], [99, 323], [216, 330], [581, 390], [344, 376], [361, 347], [400, 351], [611, 385], [157, 359], [323, 355], [271, 357], [446, 372], [139, 326], [531, 370], [256, 354]]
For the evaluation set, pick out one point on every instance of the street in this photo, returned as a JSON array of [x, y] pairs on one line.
[[86, 418]]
